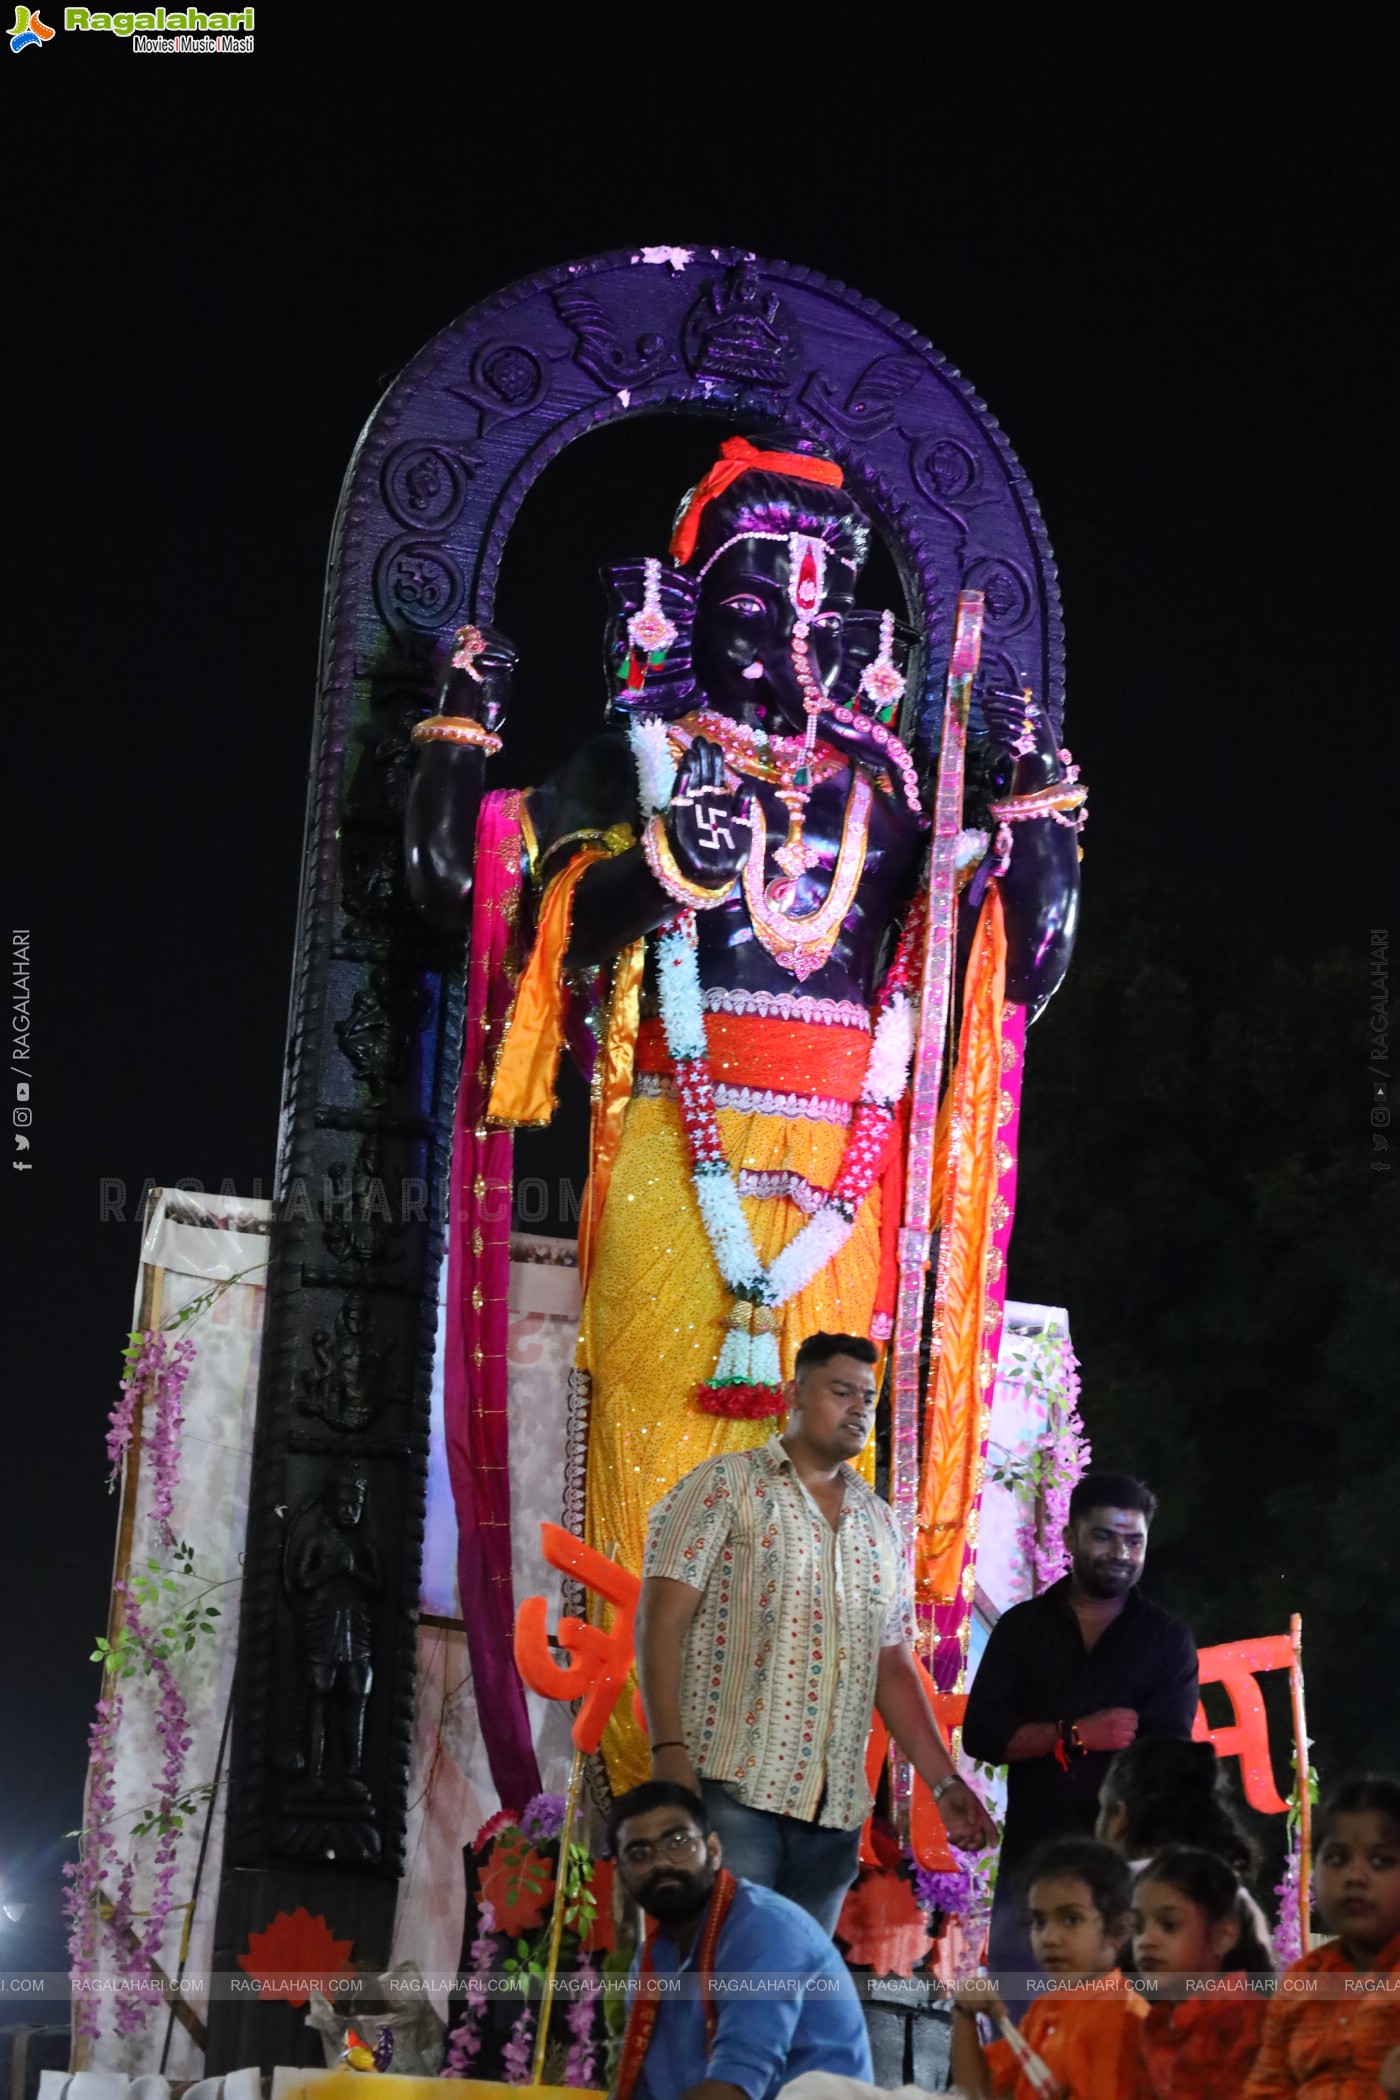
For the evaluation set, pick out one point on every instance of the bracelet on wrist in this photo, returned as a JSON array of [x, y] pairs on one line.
[[1053, 801], [674, 1742], [1068, 1743], [661, 861], [936, 1793], [456, 729]]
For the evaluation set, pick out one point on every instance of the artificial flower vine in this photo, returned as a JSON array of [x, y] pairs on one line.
[[1043, 1476], [163, 1616]]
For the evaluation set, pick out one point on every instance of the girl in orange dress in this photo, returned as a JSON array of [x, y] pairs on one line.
[[1191, 1919], [1083, 2034], [1333, 2032]]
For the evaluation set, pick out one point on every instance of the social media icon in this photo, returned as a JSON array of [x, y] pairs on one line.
[[21, 1090], [24, 1116], [22, 1142]]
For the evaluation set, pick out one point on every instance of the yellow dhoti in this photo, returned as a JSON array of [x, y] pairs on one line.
[[654, 1312]]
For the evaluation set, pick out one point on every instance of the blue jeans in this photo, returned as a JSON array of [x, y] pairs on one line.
[[811, 1866]]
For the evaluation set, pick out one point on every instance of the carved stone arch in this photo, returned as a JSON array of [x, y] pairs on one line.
[[432, 491]]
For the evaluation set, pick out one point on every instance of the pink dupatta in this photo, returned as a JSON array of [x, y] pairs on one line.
[[478, 1275]]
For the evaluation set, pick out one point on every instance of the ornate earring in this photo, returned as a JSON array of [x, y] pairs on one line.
[[881, 681], [649, 631]]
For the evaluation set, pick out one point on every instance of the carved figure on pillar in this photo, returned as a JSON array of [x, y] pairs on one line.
[[348, 1388], [737, 858], [334, 1570]]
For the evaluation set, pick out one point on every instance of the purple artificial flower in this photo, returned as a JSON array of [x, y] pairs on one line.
[[543, 1817], [518, 2050], [582, 2058], [465, 2043], [1288, 1930], [950, 1893]]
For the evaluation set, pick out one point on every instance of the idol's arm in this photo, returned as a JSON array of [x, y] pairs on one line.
[[1040, 887], [445, 792], [684, 861]]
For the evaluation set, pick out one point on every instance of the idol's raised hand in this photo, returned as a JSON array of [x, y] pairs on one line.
[[708, 826], [476, 678]]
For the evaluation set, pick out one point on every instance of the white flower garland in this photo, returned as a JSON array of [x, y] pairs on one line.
[[656, 767]]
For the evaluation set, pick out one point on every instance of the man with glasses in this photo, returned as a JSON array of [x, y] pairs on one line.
[[736, 1991], [776, 1616]]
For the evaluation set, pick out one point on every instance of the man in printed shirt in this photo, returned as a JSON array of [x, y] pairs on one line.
[[776, 1615]]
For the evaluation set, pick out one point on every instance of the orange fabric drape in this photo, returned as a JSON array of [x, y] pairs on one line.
[[965, 1166], [737, 456], [522, 1092]]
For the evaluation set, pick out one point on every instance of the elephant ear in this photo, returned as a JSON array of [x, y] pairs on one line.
[[667, 681]]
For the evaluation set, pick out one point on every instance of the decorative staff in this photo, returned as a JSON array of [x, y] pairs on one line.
[[935, 1006], [596, 1674]]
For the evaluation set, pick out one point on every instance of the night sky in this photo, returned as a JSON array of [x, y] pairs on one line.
[[1159, 264]]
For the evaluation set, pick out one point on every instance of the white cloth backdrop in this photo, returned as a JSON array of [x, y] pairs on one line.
[[211, 1514], [450, 1792]]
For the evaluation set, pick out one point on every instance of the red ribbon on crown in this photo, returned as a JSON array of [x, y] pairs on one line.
[[737, 456]]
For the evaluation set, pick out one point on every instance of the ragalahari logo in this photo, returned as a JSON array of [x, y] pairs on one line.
[[28, 30]]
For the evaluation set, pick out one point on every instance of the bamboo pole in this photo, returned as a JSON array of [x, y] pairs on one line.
[[1300, 1748], [556, 1922]]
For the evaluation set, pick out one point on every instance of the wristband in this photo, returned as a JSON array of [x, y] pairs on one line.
[[455, 729], [936, 1793], [657, 849], [675, 1743], [1068, 1741]]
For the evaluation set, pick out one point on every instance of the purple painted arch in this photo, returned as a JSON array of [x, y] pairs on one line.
[[457, 441]]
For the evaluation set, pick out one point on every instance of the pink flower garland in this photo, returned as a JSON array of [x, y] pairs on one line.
[[172, 1726], [582, 2057], [1288, 1932], [963, 1895], [87, 1875], [465, 2043], [1064, 1458], [155, 1380], [156, 1373], [519, 2049]]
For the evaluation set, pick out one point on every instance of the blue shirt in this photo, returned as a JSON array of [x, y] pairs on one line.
[[784, 2002]]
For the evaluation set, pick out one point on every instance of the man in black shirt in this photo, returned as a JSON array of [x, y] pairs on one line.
[[1069, 1678]]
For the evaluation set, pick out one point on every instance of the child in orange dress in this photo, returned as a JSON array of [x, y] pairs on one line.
[[1191, 1919], [1335, 2034], [1085, 2035]]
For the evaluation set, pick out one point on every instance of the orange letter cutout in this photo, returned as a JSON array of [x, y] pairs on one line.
[[601, 1659], [927, 1837], [1247, 1736]]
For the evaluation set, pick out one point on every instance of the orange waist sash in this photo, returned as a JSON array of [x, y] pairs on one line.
[[778, 1056]]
